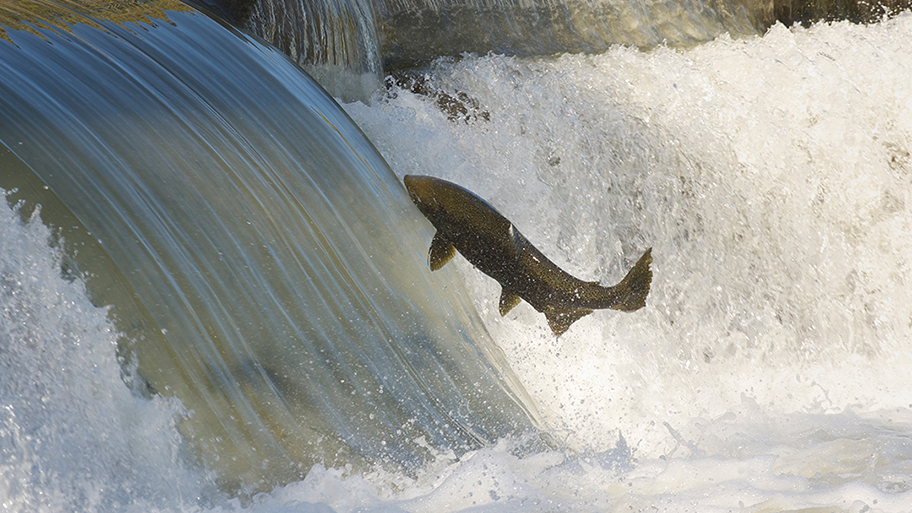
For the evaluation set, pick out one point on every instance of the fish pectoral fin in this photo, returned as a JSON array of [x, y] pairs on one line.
[[561, 319], [441, 252], [507, 301]]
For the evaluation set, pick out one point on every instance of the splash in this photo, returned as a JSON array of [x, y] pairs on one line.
[[771, 177], [73, 436]]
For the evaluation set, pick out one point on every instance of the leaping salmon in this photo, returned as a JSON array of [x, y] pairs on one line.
[[495, 247]]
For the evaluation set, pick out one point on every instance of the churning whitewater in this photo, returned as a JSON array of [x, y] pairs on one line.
[[769, 371], [772, 176]]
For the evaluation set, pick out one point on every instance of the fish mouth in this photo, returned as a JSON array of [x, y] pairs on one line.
[[413, 184]]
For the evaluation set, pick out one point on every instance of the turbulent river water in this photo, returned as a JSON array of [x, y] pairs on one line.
[[214, 293]]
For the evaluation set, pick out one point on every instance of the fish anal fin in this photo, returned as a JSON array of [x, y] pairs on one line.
[[560, 320], [441, 252], [507, 301]]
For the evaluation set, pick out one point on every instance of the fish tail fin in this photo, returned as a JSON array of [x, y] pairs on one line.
[[630, 294]]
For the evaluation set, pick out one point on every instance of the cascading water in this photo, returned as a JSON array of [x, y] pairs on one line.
[[338, 43], [277, 324], [256, 248], [346, 46]]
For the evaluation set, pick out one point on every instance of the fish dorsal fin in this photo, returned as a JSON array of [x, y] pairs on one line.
[[507, 301], [441, 252], [561, 319], [516, 239]]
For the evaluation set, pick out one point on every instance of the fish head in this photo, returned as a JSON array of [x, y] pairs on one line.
[[454, 209], [423, 190]]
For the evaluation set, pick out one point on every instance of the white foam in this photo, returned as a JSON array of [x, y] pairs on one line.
[[72, 435], [840, 462], [772, 177]]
